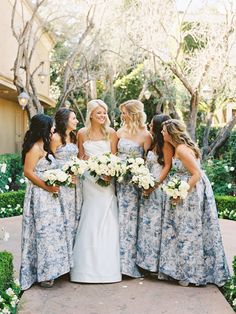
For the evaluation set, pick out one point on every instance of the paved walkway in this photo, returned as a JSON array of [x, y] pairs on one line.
[[131, 296]]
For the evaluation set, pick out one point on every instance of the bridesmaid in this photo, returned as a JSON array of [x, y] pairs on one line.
[[159, 160], [44, 249], [63, 145], [191, 249], [134, 141]]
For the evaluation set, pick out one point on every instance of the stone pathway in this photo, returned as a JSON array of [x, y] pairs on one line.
[[131, 296]]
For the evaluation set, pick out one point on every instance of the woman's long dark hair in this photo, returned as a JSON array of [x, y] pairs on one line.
[[158, 140], [61, 121], [40, 128]]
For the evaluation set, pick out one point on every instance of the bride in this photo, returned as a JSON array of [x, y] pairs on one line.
[[96, 249]]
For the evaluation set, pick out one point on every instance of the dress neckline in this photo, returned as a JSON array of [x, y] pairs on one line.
[[102, 140], [127, 139]]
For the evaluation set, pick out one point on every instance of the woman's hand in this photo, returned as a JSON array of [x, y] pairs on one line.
[[175, 201], [148, 191], [53, 189], [106, 178]]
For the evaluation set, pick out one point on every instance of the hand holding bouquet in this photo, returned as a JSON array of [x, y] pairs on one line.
[[75, 167], [137, 173], [176, 189], [104, 167], [57, 177]]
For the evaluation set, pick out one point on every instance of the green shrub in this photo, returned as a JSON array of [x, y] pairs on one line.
[[9, 289], [222, 175], [229, 288], [226, 206], [6, 270], [11, 203], [11, 173]]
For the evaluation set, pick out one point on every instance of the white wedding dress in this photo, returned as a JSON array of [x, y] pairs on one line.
[[96, 251]]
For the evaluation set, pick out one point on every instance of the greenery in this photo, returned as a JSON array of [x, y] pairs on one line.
[[11, 173], [222, 175], [9, 289], [11, 203], [6, 270], [226, 206], [229, 288]]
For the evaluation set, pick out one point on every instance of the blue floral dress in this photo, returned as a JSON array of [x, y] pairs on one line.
[[191, 248], [128, 197], [44, 247], [70, 197], [150, 221]]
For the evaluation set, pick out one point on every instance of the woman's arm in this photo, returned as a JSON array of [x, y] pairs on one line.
[[80, 141], [55, 142], [113, 141], [31, 160], [168, 153], [147, 141], [189, 161]]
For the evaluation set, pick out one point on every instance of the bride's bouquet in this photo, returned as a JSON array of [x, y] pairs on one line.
[[57, 177], [75, 166], [137, 173], [176, 188], [104, 167]]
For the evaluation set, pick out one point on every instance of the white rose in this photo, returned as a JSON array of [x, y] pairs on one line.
[[229, 185], [231, 169], [3, 168]]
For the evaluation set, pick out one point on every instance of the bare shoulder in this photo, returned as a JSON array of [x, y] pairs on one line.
[[119, 132], [81, 134], [35, 151], [56, 138], [111, 131], [182, 150]]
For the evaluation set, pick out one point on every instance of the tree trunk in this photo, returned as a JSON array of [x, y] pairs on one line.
[[222, 137], [192, 121]]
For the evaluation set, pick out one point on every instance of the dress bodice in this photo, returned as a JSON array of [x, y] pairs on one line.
[[43, 165], [64, 152], [153, 164], [94, 148], [129, 148]]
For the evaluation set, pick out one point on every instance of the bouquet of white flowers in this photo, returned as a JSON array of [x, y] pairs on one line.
[[176, 188], [137, 173], [75, 166], [107, 165], [58, 177]]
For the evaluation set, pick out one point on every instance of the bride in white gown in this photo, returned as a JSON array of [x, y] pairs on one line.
[[96, 251]]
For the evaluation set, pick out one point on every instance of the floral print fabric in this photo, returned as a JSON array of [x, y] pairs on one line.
[[150, 221], [70, 197], [192, 248], [128, 197], [44, 244]]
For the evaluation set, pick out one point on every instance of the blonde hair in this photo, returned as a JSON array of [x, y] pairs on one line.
[[177, 131], [135, 111], [91, 106]]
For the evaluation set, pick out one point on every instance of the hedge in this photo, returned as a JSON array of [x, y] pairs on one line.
[[226, 206], [11, 173], [6, 270], [229, 289], [11, 203]]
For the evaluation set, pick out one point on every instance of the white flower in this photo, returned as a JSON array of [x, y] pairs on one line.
[[1, 299], [212, 183], [226, 168], [229, 185], [22, 180], [3, 168], [10, 180], [231, 169], [13, 303], [5, 311], [7, 187], [10, 292], [234, 302], [17, 282]]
